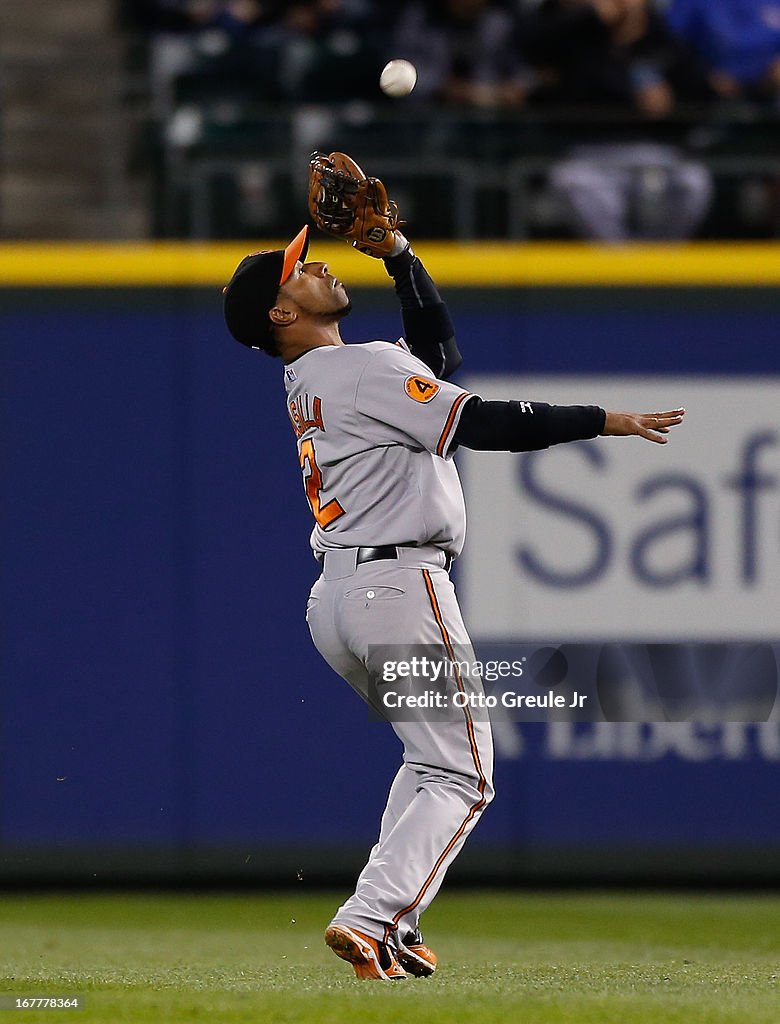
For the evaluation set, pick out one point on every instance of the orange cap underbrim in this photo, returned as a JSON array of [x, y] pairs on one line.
[[295, 251]]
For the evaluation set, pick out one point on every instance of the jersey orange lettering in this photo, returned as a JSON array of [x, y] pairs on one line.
[[327, 514], [303, 417]]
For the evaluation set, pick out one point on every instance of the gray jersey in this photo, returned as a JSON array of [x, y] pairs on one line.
[[374, 430]]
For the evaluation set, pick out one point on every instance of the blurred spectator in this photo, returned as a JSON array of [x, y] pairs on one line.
[[739, 40], [184, 33], [617, 56], [326, 49], [304, 50], [464, 53]]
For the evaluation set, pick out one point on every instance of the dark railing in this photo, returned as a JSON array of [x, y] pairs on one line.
[[232, 166]]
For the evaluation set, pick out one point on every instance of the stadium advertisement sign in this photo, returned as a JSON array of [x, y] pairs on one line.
[[621, 539]]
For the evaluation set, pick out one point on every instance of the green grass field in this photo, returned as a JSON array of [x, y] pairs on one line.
[[531, 958]]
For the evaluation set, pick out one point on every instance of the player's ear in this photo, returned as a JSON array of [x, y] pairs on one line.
[[282, 317]]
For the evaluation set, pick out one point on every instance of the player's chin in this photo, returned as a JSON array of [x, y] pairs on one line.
[[344, 310]]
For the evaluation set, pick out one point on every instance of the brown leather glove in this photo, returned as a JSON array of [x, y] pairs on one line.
[[344, 203]]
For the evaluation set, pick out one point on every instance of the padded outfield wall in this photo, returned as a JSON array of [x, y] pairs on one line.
[[163, 713]]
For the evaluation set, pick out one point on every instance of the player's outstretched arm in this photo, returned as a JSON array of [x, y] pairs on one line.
[[531, 426], [650, 425], [345, 203], [428, 329]]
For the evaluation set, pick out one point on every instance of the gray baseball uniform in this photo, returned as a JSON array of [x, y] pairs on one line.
[[374, 431], [376, 426]]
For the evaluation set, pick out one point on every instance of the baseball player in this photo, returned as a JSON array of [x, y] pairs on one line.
[[377, 425]]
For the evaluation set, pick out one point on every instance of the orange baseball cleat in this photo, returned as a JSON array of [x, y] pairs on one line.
[[372, 959], [415, 957]]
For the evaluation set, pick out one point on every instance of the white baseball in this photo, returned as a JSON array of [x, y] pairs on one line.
[[398, 78]]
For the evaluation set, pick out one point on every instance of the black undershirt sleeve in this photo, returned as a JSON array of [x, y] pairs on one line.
[[525, 426], [428, 329]]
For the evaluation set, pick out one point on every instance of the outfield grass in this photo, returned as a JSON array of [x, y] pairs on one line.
[[530, 958]]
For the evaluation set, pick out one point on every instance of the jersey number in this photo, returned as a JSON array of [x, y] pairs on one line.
[[312, 481]]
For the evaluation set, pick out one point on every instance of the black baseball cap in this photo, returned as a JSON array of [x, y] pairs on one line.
[[252, 290]]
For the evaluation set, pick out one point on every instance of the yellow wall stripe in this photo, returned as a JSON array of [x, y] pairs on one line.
[[502, 265]]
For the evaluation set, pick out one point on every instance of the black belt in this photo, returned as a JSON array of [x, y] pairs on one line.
[[388, 551], [376, 554], [384, 552]]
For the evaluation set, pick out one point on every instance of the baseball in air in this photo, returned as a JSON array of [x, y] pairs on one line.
[[398, 78]]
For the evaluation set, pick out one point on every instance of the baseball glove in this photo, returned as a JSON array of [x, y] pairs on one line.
[[345, 203]]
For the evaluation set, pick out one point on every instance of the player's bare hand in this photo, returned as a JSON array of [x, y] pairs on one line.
[[653, 426]]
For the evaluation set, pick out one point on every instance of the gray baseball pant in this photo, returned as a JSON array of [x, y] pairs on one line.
[[445, 781]]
